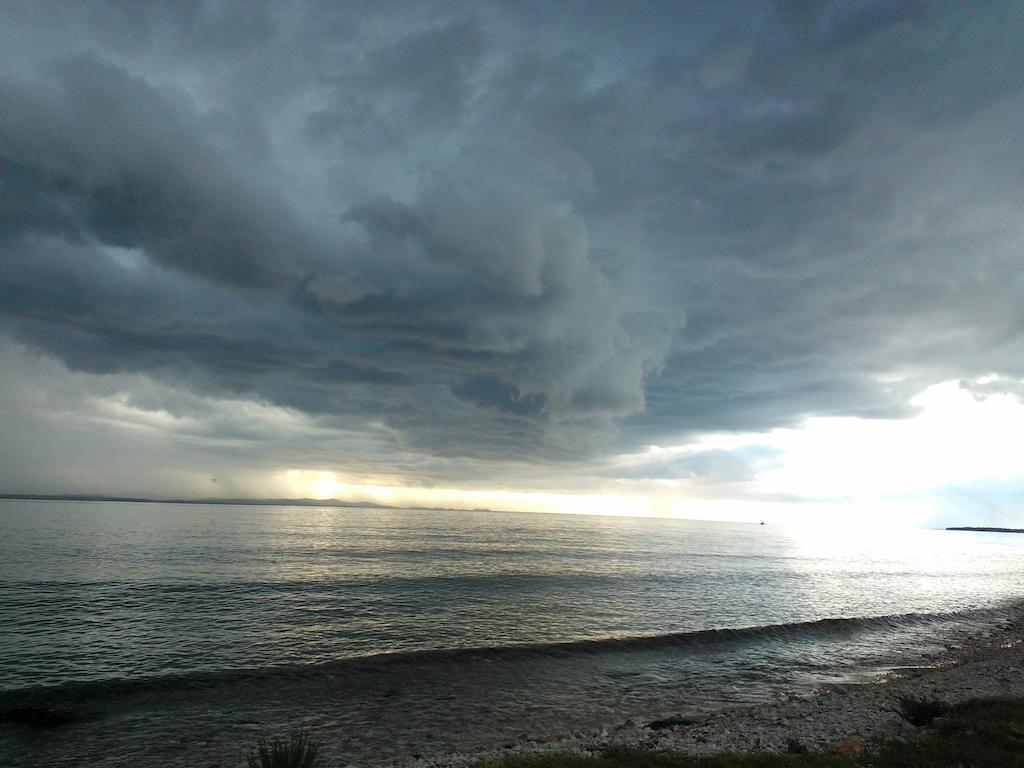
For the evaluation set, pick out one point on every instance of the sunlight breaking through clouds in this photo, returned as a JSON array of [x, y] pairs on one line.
[[957, 437], [506, 249], [879, 471]]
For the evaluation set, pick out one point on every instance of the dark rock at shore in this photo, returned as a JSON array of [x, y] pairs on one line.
[[39, 717], [670, 722]]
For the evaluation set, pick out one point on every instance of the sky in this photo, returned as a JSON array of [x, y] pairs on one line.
[[732, 260]]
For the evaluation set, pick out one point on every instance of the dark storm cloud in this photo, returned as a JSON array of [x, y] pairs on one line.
[[102, 156], [519, 231]]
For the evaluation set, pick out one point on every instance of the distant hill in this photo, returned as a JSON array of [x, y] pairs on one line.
[[989, 530], [230, 502]]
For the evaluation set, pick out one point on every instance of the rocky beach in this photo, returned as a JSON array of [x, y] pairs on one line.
[[841, 717]]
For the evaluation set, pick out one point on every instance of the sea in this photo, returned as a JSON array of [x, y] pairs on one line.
[[148, 634]]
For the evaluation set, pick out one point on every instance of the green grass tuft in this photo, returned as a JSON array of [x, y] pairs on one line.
[[297, 751], [984, 733], [921, 711]]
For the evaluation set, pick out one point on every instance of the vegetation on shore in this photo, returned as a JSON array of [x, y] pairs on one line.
[[984, 733], [296, 751]]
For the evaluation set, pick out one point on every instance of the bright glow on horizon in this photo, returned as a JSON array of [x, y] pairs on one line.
[[956, 438], [326, 485], [830, 472]]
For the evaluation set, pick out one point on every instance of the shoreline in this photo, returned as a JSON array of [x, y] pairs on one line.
[[843, 716]]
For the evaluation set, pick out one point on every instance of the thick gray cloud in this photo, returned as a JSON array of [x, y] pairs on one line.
[[517, 232]]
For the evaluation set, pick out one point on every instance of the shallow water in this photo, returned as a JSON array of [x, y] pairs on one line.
[[178, 632]]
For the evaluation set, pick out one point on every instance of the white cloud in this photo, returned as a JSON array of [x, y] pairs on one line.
[[956, 438]]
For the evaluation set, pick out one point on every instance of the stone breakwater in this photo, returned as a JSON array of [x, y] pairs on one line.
[[843, 717]]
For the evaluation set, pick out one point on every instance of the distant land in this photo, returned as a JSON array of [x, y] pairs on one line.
[[986, 529], [231, 502]]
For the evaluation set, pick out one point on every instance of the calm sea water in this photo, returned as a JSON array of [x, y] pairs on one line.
[[176, 633]]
